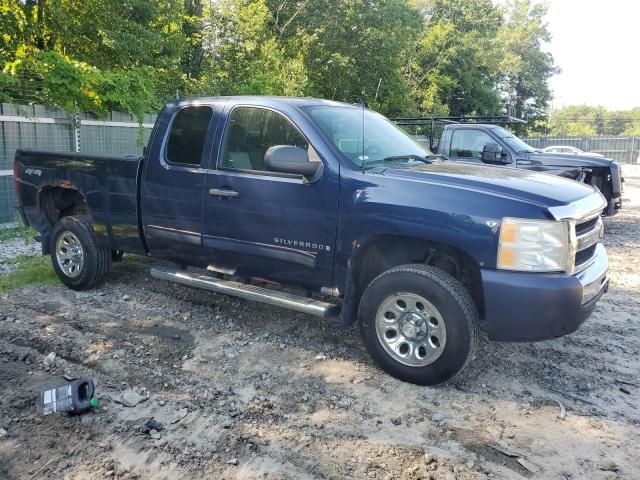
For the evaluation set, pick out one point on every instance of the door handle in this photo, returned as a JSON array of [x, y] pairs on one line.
[[524, 162], [223, 192]]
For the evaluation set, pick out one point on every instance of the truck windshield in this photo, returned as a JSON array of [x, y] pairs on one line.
[[513, 141], [383, 144]]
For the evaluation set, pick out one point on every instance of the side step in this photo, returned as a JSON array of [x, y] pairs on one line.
[[248, 292]]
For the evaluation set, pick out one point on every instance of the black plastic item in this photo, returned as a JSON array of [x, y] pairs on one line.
[[74, 398]]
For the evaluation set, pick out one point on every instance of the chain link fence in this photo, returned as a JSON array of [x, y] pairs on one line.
[[39, 128]]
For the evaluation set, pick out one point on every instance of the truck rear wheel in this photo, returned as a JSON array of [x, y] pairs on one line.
[[419, 324], [78, 260]]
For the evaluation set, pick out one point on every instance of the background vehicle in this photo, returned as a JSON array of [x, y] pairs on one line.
[[570, 150], [371, 227], [492, 144]]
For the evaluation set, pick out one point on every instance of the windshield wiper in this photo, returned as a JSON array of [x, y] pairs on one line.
[[408, 157]]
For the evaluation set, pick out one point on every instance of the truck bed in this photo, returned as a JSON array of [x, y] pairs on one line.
[[108, 184]]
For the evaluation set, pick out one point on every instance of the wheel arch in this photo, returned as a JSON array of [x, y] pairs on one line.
[[55, 202], [382, 252]]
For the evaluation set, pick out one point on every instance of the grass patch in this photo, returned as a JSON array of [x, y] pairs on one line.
[[19, 231], [28, 270]]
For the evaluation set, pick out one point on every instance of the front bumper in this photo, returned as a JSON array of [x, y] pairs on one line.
[[524, 307]]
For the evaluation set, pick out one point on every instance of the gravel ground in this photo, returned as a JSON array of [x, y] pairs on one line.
[[246, 391], [10, 249]]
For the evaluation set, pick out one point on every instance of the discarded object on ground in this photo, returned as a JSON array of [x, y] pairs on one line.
[[74, 397], [131, 397]]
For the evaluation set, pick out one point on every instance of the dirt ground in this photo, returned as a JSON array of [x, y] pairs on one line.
[[245, 391]]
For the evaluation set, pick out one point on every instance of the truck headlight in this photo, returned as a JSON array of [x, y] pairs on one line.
[[536, 245]]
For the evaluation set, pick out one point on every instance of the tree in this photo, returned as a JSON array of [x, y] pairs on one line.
[[524, 67], [454, 67]]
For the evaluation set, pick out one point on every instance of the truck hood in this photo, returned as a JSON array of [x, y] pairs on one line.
[[568, 160], [523, 185]]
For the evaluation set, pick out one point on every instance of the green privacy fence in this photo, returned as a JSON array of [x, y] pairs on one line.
[[37, 127], [621, 149]]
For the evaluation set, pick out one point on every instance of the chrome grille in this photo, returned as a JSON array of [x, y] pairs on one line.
[[588, 233]]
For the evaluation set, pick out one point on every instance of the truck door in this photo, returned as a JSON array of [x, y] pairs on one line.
[[173, 180], [260, 223], [467, 144]]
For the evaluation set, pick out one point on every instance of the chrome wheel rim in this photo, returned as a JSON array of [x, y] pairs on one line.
[[69, 254], [411, 329]]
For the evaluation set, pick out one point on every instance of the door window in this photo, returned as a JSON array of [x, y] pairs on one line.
[[467, 143], [250, 132], [187, 135]]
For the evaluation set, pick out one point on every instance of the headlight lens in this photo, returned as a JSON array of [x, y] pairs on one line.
[[535, 245]]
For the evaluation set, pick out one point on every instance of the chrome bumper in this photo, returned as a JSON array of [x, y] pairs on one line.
[[595, 279]]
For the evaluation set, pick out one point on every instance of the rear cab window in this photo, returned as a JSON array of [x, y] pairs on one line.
[[187, 135]]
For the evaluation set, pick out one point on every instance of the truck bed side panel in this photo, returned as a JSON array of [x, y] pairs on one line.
[[107, 183]]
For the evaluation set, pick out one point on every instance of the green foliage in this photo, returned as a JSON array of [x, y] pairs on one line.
[[19, 231], [28, 270], [247, 58], [587, 121], [525, 68], [405, 57]]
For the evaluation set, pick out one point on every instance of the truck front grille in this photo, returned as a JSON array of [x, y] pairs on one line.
[[588, 233]]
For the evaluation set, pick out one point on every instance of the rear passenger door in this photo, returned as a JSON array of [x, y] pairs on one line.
[[260, 223], [172, 188]]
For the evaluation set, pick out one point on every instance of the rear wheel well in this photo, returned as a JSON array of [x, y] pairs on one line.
[[392, 250], [55, 203], [58, 202]]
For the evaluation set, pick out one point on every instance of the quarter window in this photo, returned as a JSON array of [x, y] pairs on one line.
[[250, 132], [188, 134], [467, 143]]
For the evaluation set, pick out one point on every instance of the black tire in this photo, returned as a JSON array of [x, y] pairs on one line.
[[96, 260], [453, 303]]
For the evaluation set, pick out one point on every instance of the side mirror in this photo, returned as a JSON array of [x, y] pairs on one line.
[[290, 159], [492, 153]]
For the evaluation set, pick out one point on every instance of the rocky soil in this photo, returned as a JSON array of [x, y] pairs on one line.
[[242, 390]]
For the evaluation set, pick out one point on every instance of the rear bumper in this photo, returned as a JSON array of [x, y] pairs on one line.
[[524, 307]]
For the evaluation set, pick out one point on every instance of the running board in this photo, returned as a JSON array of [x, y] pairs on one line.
[[248, 292]]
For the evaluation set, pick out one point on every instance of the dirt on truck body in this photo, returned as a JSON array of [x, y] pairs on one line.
[[245, 390]]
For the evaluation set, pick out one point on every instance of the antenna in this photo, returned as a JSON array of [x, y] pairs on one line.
[[363, 104]]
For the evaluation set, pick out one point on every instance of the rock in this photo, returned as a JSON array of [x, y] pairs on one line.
[[471, 464], [130, 398], [428, 458], [151, 424], [438, 417], [162, 403], [180, 414], [126, 298], [396, 421], [154, 434], [608, 466], [233, 461], [49, 359], [3, 433], [321, 357]]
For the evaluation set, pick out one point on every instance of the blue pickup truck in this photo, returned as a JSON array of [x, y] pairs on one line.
[[329, 209]]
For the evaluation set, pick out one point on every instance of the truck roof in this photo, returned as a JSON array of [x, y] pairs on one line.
[[267, 100]]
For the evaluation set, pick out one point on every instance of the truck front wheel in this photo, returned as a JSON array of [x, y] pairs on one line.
[[419, 324], [78, 260]]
